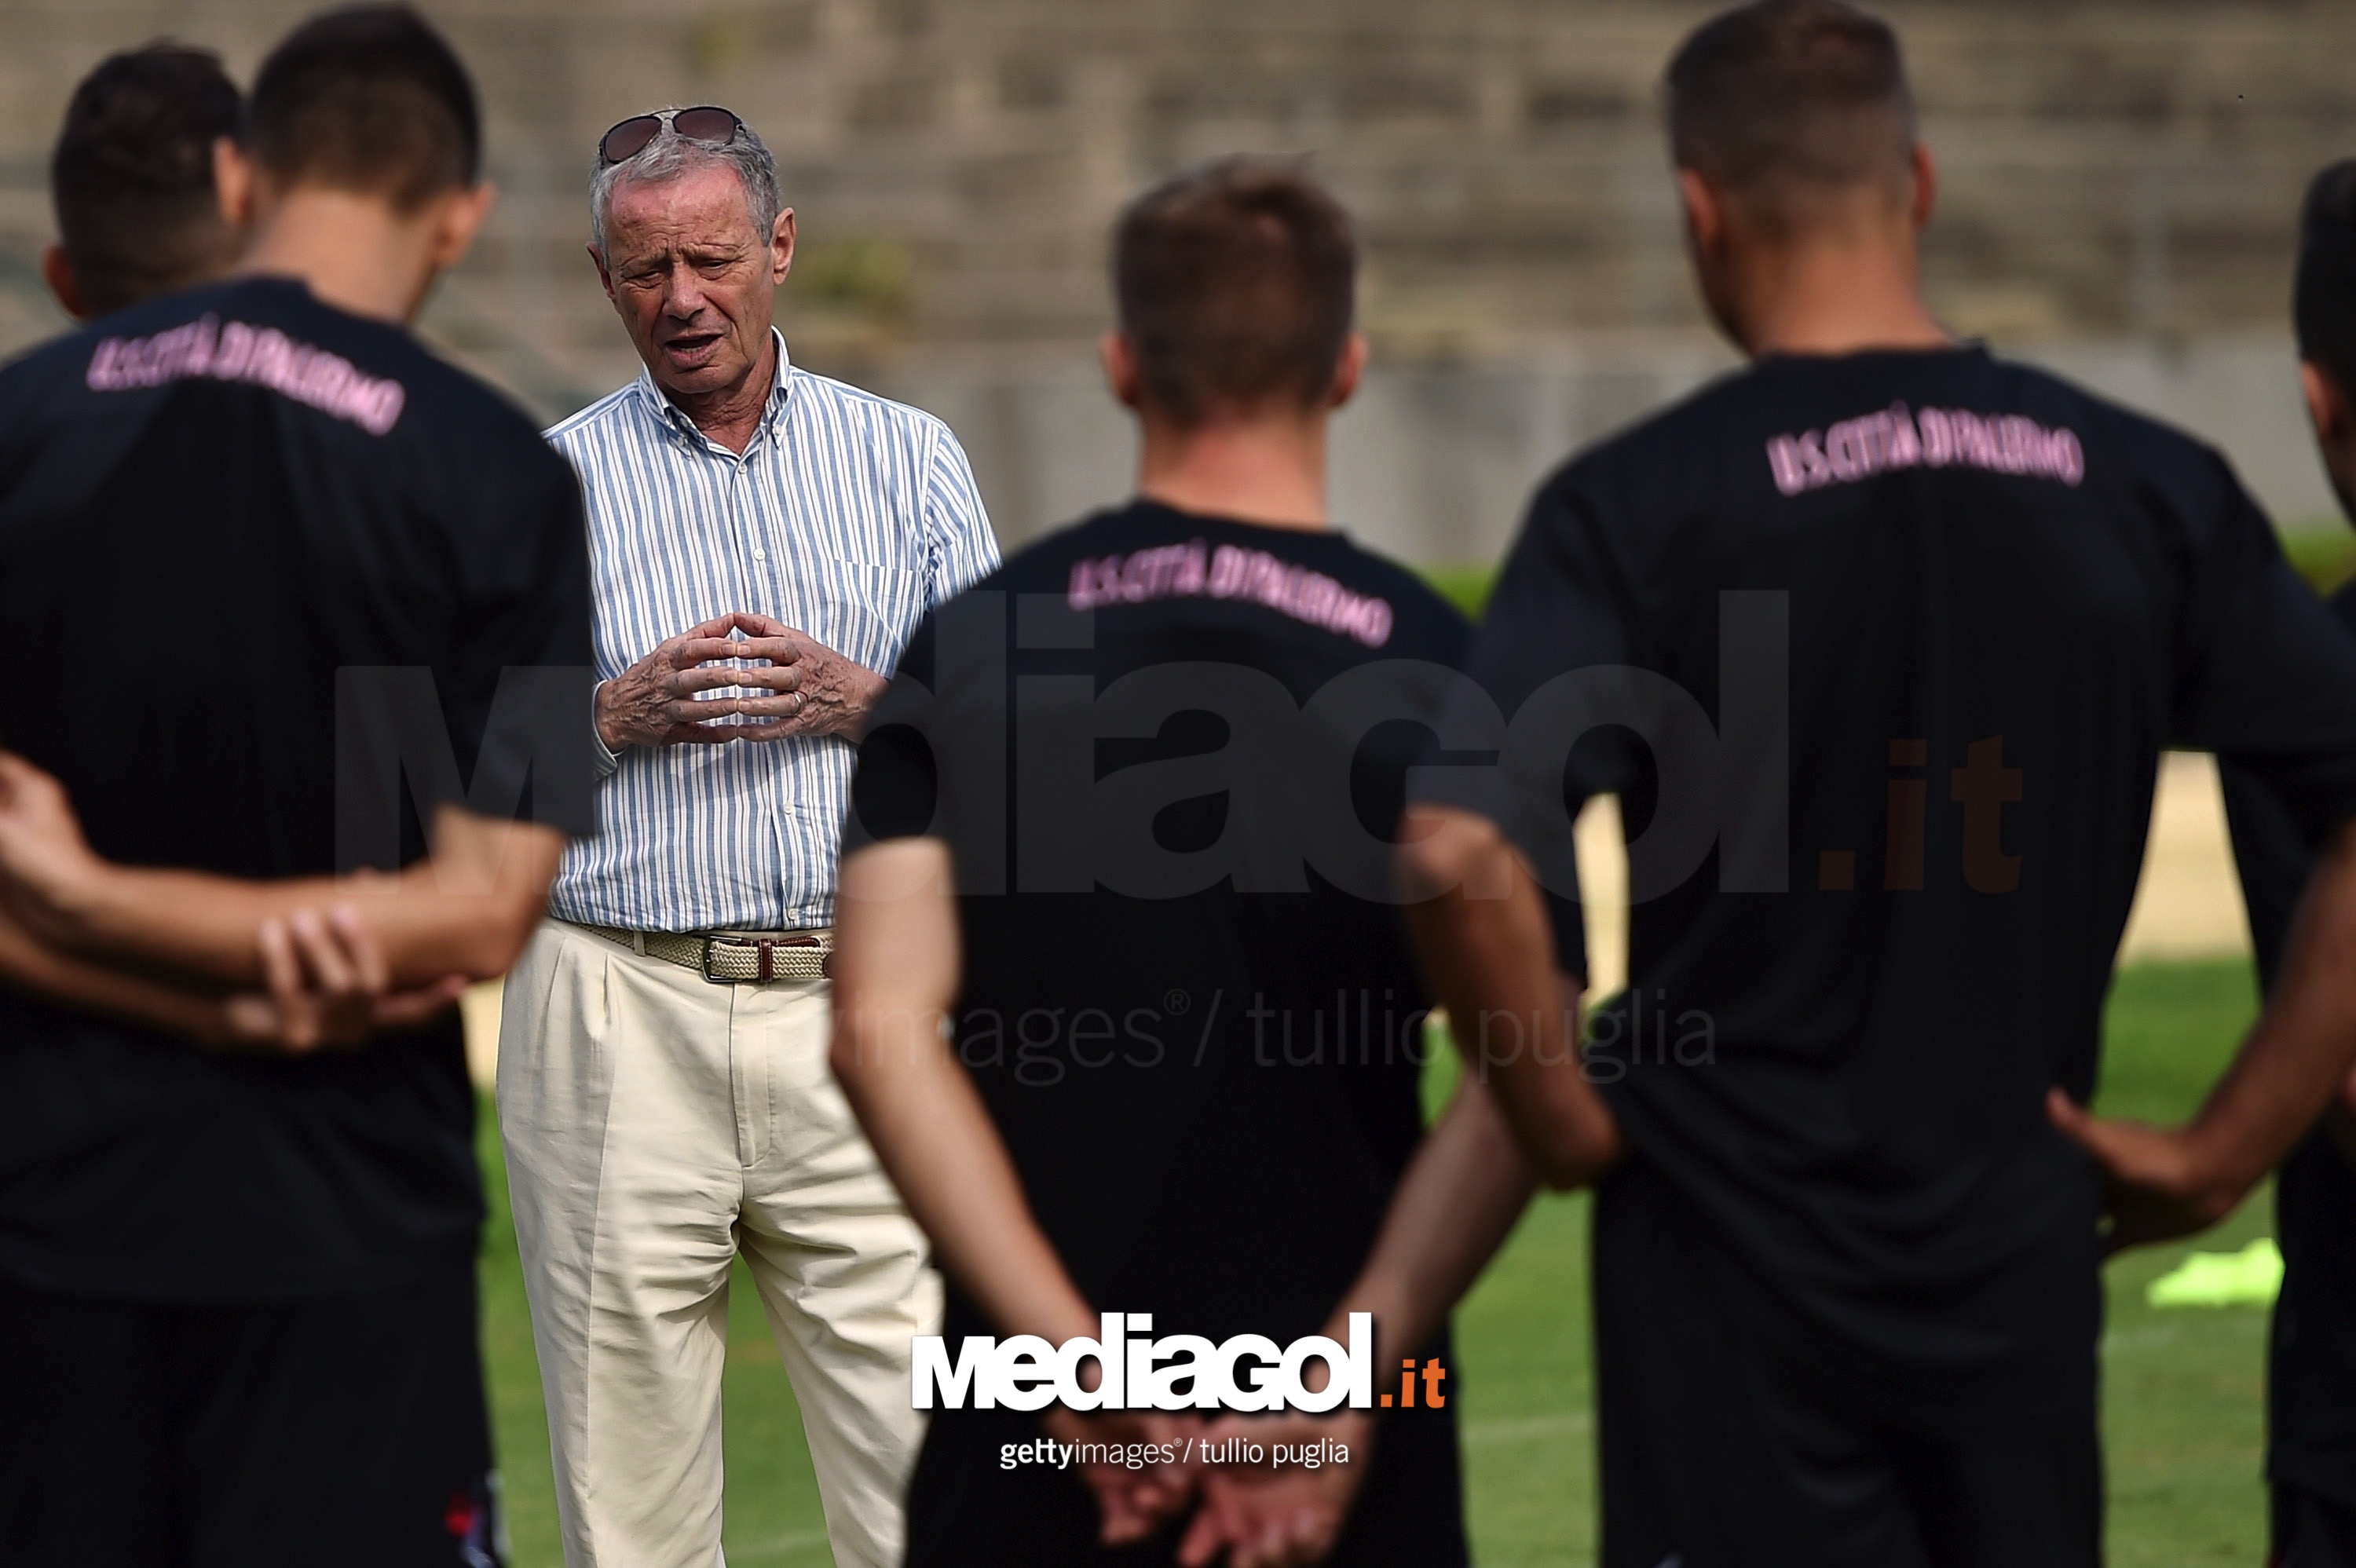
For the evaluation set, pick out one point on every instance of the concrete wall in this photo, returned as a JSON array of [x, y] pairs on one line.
[[2109, 166], [2120, 181]]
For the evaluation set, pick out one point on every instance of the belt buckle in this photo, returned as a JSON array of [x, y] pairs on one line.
[[711, 974], [764, 950]]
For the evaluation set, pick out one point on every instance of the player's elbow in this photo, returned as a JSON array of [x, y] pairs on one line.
[[493, 939], [495, 876], [1443, 849], [1567, 1168], [852, 1046], [1570, 1146], [846, 1051]]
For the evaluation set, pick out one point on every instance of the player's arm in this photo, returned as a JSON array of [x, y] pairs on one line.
[[1455, 1205], [2293, 1068], [1462, 1194], [1458, 1201], [32, 967], [1480, 932], [464, 910], [325, 978], [896, 976]]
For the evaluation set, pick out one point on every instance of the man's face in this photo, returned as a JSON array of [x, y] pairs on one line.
[[694, 280]]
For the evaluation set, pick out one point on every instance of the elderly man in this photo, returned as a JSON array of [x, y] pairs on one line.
[[763, 542]]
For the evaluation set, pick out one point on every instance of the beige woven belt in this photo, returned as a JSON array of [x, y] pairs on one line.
[[735, 957]]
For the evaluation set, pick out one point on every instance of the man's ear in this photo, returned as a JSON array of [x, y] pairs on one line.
[[1120, 369], [233, 183], [781, 247], [1705, 213], [1348, 371], [2327, 406], [605, 275], [460, 217], [1926, 197], [57, 270]]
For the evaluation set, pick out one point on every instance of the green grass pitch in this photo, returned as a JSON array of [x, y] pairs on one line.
[[2183, 1397]]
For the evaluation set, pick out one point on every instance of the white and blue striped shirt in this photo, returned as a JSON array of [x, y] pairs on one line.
[[847, 518]]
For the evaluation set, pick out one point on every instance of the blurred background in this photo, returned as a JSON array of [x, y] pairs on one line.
[[2121, 181], [2120, 190]]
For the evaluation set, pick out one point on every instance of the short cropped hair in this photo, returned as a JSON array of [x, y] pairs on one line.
[[368, 99], [669, 156], [131, 176], [2323, 301], [1236, 282], [1785, 103]]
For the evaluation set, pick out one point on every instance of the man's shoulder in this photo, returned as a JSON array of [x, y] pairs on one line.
[[25, 380], [1794, 423], [2342, 601], [2141, 447], [1662, 446], [1405, 586], [70, 358], [597, 422], [1043, 564], [472, 428], [469, 418], [857, 409], [272, 333]]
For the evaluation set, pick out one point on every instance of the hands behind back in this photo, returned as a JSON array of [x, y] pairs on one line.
[[1255, 1514], [329, 985]]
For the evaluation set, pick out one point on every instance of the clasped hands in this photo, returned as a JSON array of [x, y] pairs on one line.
[[325, 980], [1258, 1515], [663, 699]]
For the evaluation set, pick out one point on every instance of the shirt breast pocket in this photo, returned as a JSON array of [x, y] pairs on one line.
[[866, 612]]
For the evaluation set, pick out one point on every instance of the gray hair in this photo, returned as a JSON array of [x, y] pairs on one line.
[[669, 155]]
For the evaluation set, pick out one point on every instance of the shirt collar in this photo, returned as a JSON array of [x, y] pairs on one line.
[[659, 405]]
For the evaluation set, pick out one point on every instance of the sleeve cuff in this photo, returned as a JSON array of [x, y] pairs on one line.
[[604, 757]]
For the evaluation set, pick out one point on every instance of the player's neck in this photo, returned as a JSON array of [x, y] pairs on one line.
[[1836, 296], [353, 250], [1265, 471]]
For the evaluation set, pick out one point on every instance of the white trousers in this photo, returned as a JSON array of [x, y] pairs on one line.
[[658, 1125]]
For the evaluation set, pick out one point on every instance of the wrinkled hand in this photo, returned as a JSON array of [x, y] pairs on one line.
[[1279, 1516], [658, 701], [1134, 1503], [2153, 1184], [329, 985], [821, 692], [44, 858]]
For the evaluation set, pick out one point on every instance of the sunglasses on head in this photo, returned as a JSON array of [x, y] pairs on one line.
[[628, 140]]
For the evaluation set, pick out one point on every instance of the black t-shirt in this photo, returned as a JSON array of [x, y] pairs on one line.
[[2311, 1371], [1909, 630], [1169, 753], [320, 548]]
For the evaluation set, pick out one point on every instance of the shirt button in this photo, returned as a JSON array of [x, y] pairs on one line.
[[759, 554]]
